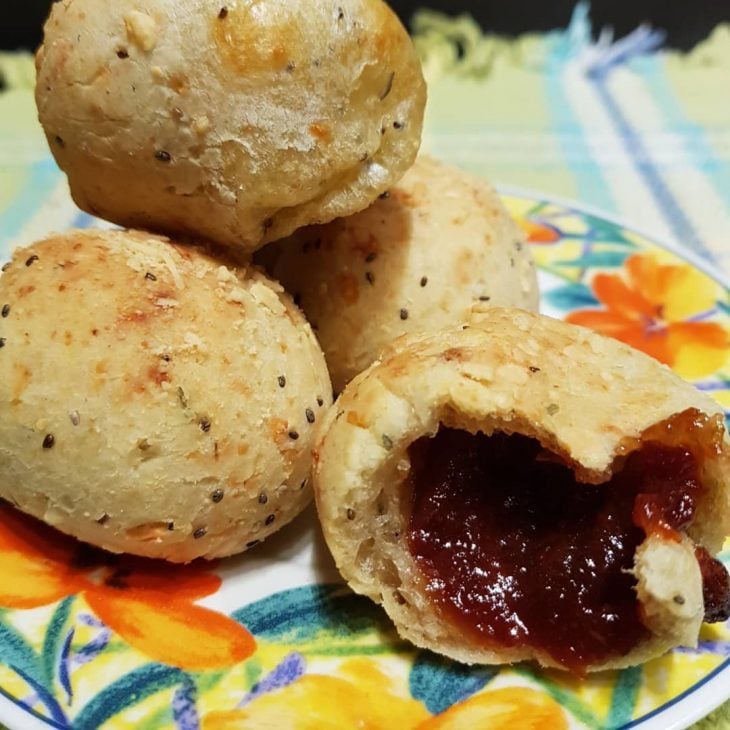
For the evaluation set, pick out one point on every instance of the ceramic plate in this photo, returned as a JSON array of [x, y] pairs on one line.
[[273, 639]]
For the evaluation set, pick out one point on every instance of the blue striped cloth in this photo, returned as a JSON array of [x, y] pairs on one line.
[[622, 125]]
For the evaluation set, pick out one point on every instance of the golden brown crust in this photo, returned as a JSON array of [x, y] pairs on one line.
[[415, 260], [580, 394], [236, 123], [141, 407]]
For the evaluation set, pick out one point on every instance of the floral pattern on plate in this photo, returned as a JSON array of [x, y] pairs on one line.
[[269, 639]]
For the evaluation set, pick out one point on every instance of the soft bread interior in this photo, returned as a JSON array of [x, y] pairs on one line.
[[669, 588], [669, 583], [585, 398]]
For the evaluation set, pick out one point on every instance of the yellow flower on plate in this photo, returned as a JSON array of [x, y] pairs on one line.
[[362, 697], [502, 709]]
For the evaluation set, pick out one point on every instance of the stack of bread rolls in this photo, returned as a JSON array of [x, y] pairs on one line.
[[162, 394], [159, 393]]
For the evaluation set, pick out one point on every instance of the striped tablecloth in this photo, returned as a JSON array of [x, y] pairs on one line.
[[640, 133]]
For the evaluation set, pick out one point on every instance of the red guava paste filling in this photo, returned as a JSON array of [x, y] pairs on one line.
[[715, 587], [515, 552]]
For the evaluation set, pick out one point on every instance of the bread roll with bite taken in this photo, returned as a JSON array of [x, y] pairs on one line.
[[154, 400], [522, 488], [233, 121], [439, 242]]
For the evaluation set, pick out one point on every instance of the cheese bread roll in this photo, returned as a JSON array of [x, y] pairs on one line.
[[154, 400]]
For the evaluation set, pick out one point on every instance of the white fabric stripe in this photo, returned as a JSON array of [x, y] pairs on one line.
[[700, 201], [634, 200], [538, 149], [664, 146], [705, 209]]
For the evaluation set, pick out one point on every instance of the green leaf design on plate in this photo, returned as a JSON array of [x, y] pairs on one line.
[[623, 699], [535, 209], [317, 615], [440, 683], [603, 231], [252, 671], [127, 691], [597, 259], [53, 639], [571, 296], [17, 653]]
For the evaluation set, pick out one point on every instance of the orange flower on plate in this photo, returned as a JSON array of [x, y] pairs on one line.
[[654, 307], [363, 696], [150, 604], [538, 232]]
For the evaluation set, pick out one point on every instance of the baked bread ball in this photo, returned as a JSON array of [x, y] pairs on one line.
[[233, 121], [153, 400], [418, 258], [501, 511]]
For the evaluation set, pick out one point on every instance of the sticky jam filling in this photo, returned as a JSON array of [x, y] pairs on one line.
[[515, 552]]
